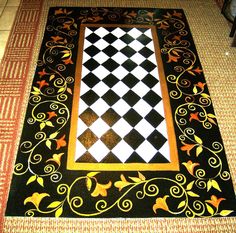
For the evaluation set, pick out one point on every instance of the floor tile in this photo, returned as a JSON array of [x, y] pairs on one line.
[[3, 2], [3, 40], [13, 3], [1, 10], [7, 18]]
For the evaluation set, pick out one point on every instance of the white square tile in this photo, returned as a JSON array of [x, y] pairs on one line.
[[82, 106], [139, 72], [101, 44], [141, 89], [101, 31], [99, 127], [142, 107], [135, 33], [101, 72], [146, 151], [122, 128], [118, 32], [120, 72], [100, 89], [165, 151], [101, 57], [79, 150], [122, 150], [81, 127], [100, 107], [121, 107], [119, 44], [136, 45], [120, 89], [144, 128], [138, 58], [98, 150], [83, 88], [160, 109], [119, 57], [162, 128]]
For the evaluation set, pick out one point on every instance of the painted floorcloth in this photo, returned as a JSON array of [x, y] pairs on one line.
[[120, 122]]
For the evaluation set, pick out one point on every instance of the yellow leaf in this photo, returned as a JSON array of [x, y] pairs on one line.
[[197, 139], [212, 121], [211, 115], [69, 90], [65, 55], [191, 73], [226, 212], [53, 135], [61, 90], [35, 93], [199, 150], [48, 144], [36, 89], [51, 77], [215, 185], [204, 95], [59, 212], [49, 123], [192, 194], [181, 204], [135, 179], [31, 179], [141, 176], [54, 204], [40, 181], [88, 183], [92, 174], [210, 209], [209, 185], [42, 125], [195, 90], [190, 185]]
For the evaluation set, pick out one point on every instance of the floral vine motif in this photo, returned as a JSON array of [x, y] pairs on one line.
[[50, 114], [147, 188]]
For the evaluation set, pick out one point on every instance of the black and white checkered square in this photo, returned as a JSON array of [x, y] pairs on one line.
[[121, 116]]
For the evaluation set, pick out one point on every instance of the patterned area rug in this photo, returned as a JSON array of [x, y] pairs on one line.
[[120, 122]]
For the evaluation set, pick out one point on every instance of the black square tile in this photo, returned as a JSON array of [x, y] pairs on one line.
[[91, 80], [110, 117], [91, 64], [110, 158], [148, 66], [144, 39], [90, 97], [110, 139], [110, 97], [88, 116], [92, 38], [87, 138], [130, 80], [92, 50], [146, 52], [128, 51], [131, 98], [132, 117], [110, 38], [134, 139], [154, 118], [152, 98], [150, 80], [127, 38], [156, 139], [111, 80], [110, 64], [129, 65], [86, 158], [110, 51]]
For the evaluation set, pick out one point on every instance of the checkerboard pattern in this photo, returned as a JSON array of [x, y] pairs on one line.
[[121, 115]]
